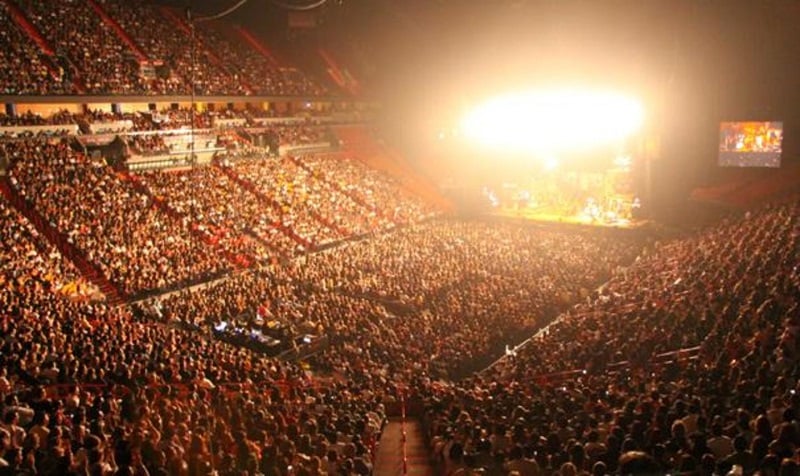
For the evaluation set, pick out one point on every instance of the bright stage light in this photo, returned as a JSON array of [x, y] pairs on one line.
[[550, 163], [547, 122], [623, 161]]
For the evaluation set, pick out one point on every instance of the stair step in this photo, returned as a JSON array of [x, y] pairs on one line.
[[59, 241], [25, 24], [396, 453], [120, 32]]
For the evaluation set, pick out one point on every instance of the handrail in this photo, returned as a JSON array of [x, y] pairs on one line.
[[688, 353], [403, 434]]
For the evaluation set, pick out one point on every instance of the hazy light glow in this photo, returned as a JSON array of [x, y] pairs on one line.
[[552, 121], [623, 161], [550, 163]]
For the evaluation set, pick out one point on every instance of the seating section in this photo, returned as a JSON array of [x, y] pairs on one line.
[[120, 230], [30, 119], [104, 378], [725, 297], [289, 188], [248, 209], [22, 65], [667, 293], [375, 190], [471, 270], [91, 57], [684, 358], [34, 273], [170, 47], [272, 199], [254, 69], [421, 272], [224, 212], [89, 50]]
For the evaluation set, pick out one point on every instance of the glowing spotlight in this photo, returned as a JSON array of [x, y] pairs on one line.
[[623, 162], [550, 163], [553, 121]]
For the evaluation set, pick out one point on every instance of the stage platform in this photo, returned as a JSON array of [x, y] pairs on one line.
[[552, 216]]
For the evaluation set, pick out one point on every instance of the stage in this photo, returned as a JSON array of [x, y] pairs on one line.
[[553, 216]]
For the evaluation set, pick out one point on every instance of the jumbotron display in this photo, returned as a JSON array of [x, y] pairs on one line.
[[750, 144]]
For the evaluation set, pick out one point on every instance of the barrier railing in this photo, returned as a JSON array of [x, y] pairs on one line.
[[403, 430], [658, 360]]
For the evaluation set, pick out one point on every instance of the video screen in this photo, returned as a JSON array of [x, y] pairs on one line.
[[750, 144]]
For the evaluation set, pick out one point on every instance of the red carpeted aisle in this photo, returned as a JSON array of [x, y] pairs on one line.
[[392, 451]]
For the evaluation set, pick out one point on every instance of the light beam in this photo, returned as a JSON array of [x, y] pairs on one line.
[[547, 122]]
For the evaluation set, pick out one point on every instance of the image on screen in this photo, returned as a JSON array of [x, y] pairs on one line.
[[750, 144]]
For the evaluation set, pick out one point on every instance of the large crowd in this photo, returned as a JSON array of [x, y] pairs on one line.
[[255, 70], [414, 307], [168, 46], [614, 353], [31, 266], [731, 290], [378, 192], [23, 68], [281, 182], [281, 206], [374, 295], [28, 118], [87, 389], [650, 356], [118, 229], [88, 48], [224, 212], [429, 273], [266, 203], [90, 56]]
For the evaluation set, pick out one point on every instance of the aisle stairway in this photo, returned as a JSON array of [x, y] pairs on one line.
[[121, 33], [397, 456], [338, 187], [257, 45], [67, 249], [193, 227], [359, 142], [272, 203], [21, 19], [48, 54], [339, 75]]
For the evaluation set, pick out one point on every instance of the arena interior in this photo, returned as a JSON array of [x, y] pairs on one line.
[[399, 237]]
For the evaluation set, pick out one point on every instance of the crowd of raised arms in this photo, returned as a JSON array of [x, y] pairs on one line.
[[410, 306], [81, 52]]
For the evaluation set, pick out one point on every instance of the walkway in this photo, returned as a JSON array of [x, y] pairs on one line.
[[389, 459]]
